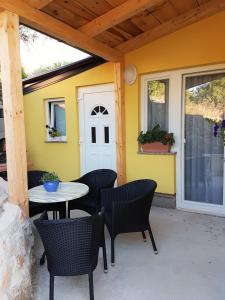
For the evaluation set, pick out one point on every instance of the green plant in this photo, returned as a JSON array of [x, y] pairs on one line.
[[49, 177], [156, 135], [53, 132]]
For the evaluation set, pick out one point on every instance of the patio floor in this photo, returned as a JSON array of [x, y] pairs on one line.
[[190, 264]]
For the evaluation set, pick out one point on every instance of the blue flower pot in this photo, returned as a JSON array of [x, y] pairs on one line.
[[51, 186]]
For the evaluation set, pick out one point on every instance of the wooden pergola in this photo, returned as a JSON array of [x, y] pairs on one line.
[[107, 28]]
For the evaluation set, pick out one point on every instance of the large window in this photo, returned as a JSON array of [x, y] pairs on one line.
[[56, 120], [155, 102]]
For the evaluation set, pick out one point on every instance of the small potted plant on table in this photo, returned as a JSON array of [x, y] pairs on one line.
[[50, 182], [156, 140]]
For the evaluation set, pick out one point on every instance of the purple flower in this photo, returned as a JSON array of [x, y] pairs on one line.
[[223, 124], [216, 127]]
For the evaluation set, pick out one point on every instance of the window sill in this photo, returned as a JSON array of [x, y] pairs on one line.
[[57, 142], [156, 153]]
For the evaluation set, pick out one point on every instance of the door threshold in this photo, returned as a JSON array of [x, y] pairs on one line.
[[202, 211]]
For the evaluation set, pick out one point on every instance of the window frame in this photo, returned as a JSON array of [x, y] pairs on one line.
[[144, 98], [49, 109]]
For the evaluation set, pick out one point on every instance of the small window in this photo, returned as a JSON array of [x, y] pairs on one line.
[[93, 135], [56, 120], [99, 110], [106, 134], [157, 106]]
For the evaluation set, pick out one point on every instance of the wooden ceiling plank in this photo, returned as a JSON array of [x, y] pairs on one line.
[[145, 21], [183, 6], [109, 39], [76, 8], [39, 4], [121, 32], [190, 17], [99, 7], [55, 28], [117, 15], [64, 15], [115, 3], [165, 12]]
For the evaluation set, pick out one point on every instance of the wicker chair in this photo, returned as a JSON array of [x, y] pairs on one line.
[[72, 246], [96, 180], [34, 178], [127, 209]]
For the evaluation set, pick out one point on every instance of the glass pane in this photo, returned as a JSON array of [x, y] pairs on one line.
[[59, 117], [158, 93], [106, 132], [204, 153], [93, 135], [102, 109]]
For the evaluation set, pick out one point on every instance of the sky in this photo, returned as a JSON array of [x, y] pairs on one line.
[[46, 51]]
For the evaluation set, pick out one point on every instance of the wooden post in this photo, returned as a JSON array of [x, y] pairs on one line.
[[120, 121], [13, 109]]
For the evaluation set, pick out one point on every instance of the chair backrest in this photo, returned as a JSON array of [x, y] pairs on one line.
[[71, 245], [130, 205], [34, 178], [98, 180], [141, 190]]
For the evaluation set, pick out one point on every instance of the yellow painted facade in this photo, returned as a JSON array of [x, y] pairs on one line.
[[202, 43]]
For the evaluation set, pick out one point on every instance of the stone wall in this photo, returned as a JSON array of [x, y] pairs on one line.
[[16, 243]]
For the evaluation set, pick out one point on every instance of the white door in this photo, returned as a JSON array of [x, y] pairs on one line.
[[203, 168], [97, 127]]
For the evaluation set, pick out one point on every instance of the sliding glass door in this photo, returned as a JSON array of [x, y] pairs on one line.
[[203, 151]]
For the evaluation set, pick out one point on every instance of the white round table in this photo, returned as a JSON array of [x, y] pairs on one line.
[[67, 191]]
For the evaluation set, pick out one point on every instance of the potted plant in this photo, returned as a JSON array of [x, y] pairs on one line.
[[156, 140], [50, 182], [54, 134]]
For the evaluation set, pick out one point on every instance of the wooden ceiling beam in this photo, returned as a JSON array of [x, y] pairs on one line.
[[194, 15], [39, 4], [59, 30], [117, 15]]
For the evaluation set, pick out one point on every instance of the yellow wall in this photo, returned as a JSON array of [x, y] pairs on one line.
[[199, 44], [202, 43], [63, 158]]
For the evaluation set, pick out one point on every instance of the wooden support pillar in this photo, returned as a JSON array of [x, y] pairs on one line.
[[13, 109], [120, 121]]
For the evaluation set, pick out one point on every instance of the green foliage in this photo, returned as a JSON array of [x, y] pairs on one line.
[[49, 177], [156, 90], [23, 73], [28, 35], [156, 135], [45, 69], [53, 132], [212, 92]]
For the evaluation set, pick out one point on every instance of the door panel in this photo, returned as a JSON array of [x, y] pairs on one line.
[[99, 130]]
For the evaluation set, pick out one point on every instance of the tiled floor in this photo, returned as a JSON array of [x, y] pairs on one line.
[[190, 264]]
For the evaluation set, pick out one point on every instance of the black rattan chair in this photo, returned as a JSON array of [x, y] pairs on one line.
[[96, 180], [72, 246], [127, 209], [34, 179]]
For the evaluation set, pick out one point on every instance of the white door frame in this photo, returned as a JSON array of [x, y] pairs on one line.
[[201, 207], [99, 88], [176, 125]]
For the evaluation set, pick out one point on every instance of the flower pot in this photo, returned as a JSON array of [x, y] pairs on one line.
[[155, 147], [51, 186]]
